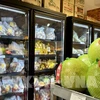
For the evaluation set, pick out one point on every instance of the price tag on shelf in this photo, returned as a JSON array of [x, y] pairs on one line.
[[75, 96]]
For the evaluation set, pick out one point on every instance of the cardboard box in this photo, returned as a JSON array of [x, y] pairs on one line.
[[68, 8], [95, 13], [35, 2], [79, 2], [79, 11], [52, 4], [69, 1]]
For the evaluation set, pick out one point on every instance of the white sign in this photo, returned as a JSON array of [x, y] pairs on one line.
[[75, 96]]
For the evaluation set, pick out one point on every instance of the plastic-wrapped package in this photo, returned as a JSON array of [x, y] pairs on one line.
[[2, 66], [18, 85], [45, 94], [39, 33], [6, 85], [18, 98], [76, 38], [16, 49], [50, 33], [10, 30], [83, 38], [16, 65], [3, 30]]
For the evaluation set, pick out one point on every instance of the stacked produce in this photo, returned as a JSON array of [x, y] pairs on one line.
[[82, 73], [44, 64], [43, 48], [11, 85], [42, 87], [9, 27]]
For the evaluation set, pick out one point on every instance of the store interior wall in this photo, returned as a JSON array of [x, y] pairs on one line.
[[91, 4]]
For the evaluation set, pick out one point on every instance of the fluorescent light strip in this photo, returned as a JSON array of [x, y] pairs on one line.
[[96, 29], [9, 9], [47, 18], [81, 25]]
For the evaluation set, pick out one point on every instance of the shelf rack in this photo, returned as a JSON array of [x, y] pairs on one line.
[[58, 91]]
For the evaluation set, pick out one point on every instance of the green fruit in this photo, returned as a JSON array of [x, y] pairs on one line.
[[93, 80], [85, 59], [73, 74], [94, 50]]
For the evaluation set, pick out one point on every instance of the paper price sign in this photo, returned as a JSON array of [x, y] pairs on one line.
[[75, 96]]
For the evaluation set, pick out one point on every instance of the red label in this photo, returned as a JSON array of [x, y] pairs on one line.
[[58, 73]]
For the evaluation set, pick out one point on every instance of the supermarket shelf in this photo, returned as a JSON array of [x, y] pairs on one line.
[[12, 38], [11, 56], [45, 55], [58, 91], [79, 43], [75, 55], [11, 94], [48, 71], [13, 74], [45, 40]]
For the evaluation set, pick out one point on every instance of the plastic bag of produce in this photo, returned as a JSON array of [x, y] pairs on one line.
[[6, 85], [16, 49], [16, 65], [39, 33], [2, 66], [10, 30], [2, 29], [50, 33], [18, 85], [45, 94]]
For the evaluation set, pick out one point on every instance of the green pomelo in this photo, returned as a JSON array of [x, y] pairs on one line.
[[85, 59], [94, 50], [73, 74], [93, 80]]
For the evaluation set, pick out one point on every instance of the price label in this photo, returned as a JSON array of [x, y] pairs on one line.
[[75, 96]]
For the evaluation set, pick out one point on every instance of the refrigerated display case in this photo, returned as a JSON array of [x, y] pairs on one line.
[[49, 49], [14, 52], [96, 32], [79, 32]]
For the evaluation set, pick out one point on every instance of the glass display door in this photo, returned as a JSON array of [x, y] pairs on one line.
[[81, 39], [49, 52], [96, 33], [13, 53]]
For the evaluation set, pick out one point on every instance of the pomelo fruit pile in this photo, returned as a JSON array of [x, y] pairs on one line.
[[83, 72]]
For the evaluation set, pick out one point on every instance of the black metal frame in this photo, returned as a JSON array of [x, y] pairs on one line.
[[69, 32], [31, 10]]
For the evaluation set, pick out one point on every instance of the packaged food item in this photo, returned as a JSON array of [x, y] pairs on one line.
[[45, 94], [2, 29], [16, 49], [16, 65], [50, 33], [2, 66], [9, 27], [7, 83], [18, 85], [39, 33], [10, 30]]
